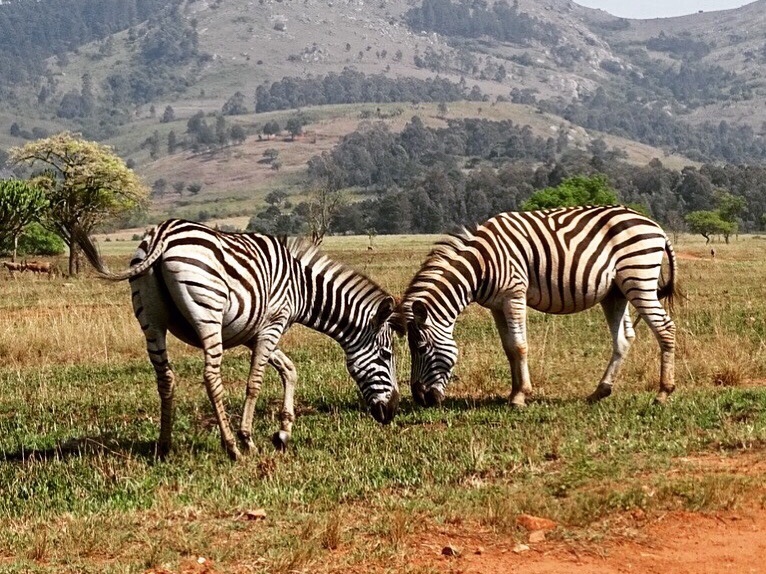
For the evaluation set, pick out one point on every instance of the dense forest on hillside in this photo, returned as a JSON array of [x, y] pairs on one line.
[[34, 30], [655, 125], [354, 87], [429, 180], [472, 19]]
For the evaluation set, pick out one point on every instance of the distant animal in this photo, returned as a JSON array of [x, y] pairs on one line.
[[13, 268], [555, 261], [216, 290], [46, 268], [712, 253]]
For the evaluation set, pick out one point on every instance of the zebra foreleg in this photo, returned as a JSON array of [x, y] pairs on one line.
[[289, 376], [621, 328], [512, 325]]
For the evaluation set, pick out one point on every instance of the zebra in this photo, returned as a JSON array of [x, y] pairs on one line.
[[217, 290], [557, 261]]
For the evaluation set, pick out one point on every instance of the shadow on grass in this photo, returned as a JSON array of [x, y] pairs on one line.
[[82, 447]]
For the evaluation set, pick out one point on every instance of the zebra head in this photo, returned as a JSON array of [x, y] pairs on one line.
[[434, 354], [370, 361]]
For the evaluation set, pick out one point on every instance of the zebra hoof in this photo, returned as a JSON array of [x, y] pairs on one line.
[[601, 392], [247, 441], [280, 440]]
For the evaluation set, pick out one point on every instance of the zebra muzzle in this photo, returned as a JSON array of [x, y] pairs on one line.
[[384, 412]]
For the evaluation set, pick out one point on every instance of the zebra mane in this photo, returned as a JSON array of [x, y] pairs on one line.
[[309, 254], [440, 256]]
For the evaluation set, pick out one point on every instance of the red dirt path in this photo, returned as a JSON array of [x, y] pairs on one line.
[[679, 543]]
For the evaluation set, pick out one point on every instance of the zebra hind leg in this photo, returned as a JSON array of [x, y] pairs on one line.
[[651, 310], [213, 347], [289, 376], [156, 346], [621, 328]]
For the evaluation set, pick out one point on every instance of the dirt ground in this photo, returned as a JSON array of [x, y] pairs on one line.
[[677, 543]]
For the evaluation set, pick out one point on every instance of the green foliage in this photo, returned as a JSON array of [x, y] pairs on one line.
[[20, 205], [84, 182], [351, 86], [730, 207], [578, 190], [708, 223], [476, 19], [37, 240]]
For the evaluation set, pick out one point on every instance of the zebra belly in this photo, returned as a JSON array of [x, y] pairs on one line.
[[565, 297]]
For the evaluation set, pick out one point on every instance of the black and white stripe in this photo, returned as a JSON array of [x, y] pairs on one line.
[[217, 290], [556, 261]]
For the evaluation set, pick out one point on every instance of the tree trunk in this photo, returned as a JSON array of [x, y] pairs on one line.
[[15, 247], [72, 258]]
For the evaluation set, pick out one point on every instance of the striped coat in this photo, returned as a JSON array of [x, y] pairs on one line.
[[217, 290], [556, 261]]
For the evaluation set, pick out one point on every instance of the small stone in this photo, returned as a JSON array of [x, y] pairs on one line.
[[450, 551], [533, 523], [519, 548], [201, 560], [479, 550], [536, 536], [258, 514]]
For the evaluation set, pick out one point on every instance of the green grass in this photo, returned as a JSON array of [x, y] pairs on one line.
[[82, 491]]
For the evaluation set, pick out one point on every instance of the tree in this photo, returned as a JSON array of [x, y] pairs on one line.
[[324, 204], [194, 188], [237, 134], [178, 186], [578, 190], [294, 127], [85, 183], [271, 128], [708, 223], [20, 205], [159, 186], [235, 105], [270, 154], [168, 115]]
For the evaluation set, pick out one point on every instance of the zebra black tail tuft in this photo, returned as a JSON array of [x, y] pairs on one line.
[[670, 290]]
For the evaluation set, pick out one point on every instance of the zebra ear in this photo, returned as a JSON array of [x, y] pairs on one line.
[[384, 311], [419, 312], [398, 321]]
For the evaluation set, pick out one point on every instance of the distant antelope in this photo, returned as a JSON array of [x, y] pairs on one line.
[[13, 268], [39, 267]]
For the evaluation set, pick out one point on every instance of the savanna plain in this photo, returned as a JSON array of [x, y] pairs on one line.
[[81, 491]]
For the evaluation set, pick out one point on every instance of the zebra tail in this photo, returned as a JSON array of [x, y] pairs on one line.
[[669, 290], [93, 255]]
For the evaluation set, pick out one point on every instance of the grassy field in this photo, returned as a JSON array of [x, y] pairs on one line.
[[81, 491]]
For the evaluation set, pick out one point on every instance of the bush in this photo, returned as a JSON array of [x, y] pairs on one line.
[[36, 240]]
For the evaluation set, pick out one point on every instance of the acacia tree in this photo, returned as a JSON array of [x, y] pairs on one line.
[[708, 223], [324, 204], [85, 183], [20, 205]]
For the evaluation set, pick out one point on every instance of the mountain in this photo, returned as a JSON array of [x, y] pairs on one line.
[[691, 86]]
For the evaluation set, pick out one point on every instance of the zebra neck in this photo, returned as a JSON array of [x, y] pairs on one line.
[[445, 301], [336, 304]]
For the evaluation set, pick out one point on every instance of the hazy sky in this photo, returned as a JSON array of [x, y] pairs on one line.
[[660, 8]]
